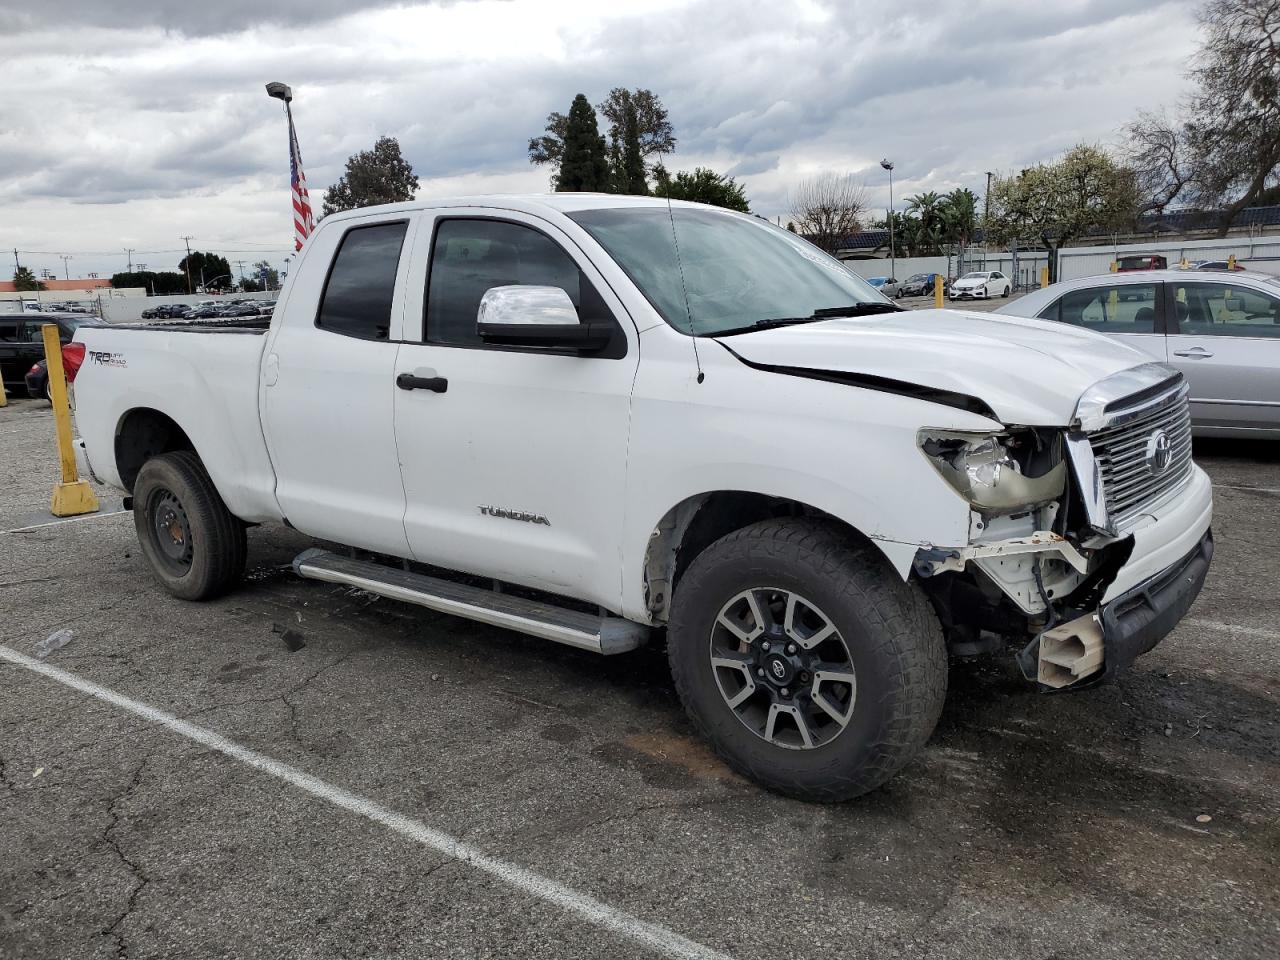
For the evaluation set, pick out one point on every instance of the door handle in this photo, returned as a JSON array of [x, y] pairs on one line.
[[1194, 353], [408, 381]]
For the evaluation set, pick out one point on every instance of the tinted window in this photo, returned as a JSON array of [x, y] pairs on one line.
[[8, 331], [1114, 308], [471, 256], [1225, 310], [358, 295]]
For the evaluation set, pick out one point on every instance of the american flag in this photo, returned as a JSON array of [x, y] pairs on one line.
[[303, 223]]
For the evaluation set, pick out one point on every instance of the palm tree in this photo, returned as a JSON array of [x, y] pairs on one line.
[[959, 214], [926, 206]]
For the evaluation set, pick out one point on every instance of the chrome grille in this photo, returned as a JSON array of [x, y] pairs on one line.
[[1129, 484]]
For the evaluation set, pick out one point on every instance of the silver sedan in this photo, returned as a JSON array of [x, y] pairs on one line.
[[1222, 331]]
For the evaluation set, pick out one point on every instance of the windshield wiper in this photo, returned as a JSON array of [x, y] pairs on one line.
[[823, 313]]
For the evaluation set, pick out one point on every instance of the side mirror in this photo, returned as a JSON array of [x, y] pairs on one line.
[[529, 316]]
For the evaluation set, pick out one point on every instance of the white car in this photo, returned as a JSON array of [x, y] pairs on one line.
[[516, 411], [981, 285]]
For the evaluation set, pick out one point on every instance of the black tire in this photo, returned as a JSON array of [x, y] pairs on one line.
[[204, 553], [1006, 292], [893, 638]]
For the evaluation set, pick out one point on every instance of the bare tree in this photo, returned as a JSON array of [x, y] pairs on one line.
[[1157, 153], [1224, 150], [827, 208]]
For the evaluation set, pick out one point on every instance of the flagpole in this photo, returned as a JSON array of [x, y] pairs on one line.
[[302, 218]]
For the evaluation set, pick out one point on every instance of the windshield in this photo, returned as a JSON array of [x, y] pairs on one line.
[[736, 270], [916, 277], [974, 276]]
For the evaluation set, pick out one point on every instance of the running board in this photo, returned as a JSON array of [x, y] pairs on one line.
[[599, 634]]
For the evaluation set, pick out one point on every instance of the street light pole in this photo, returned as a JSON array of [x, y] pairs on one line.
[[893, 254]]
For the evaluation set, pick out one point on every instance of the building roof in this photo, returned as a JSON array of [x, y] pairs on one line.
[[52, 284]]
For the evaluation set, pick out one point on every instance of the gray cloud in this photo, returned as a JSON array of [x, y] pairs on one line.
[[171, 112]]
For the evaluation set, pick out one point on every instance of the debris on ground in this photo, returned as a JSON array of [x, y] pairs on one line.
[[294, 640], [39, 770], [1203, 818], [55, 641]]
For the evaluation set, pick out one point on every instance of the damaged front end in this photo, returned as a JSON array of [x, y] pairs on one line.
[[1035, 569]]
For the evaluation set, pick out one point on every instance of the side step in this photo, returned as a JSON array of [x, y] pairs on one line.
[[600, 634]]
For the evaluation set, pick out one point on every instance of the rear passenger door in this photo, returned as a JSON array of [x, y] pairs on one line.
[[328, 385], [1129, 312], [1225, 338]]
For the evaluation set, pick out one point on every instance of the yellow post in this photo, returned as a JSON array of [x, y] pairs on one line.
[[1044, 277], [4, 397], [72, 496], [937, 290], [1113, 304], [1231, 262], [1115, 267]]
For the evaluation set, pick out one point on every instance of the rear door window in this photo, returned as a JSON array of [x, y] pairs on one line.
[[1111, 308], [360, 290], [1225, 310], [9, 330]]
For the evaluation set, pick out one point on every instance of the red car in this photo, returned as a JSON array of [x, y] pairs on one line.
[[1146, 262]]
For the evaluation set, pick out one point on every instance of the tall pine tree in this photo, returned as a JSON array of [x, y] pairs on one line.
[[584, 164]]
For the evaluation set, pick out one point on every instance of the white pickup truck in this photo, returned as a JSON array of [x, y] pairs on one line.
[[600, 419]]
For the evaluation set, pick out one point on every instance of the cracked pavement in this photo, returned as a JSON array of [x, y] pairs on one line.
[[1031, 827]]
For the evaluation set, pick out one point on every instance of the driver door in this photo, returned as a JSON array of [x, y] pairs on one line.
[[513, 458]]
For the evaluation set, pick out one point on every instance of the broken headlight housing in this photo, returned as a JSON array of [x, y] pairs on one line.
[[998, 473]]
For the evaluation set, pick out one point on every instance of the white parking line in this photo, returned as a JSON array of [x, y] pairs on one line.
[[55, 523], [655, 937]]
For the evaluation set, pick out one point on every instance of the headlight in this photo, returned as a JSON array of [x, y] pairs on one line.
[[991, 471]]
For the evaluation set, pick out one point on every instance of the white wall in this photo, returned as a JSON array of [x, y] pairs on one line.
[[1260, 253], [904, 266]]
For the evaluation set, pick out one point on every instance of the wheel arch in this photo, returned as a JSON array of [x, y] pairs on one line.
[[700, 520], [143, 433]]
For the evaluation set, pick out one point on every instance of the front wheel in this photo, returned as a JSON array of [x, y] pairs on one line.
[[806, 661], [196, 548], [1006, 292]]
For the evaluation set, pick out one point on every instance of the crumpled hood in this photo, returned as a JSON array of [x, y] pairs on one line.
[[1030, 372]]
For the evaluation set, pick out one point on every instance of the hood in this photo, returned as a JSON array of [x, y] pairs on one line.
[[974, 282], [1029, 372]]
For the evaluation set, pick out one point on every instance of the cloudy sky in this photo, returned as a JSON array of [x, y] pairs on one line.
[[132, 123]]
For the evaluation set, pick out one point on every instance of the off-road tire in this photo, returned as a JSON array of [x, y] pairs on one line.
[[891, 630], [217, 539]]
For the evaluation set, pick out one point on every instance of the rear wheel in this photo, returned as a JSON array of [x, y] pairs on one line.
[[196, 548], [805, 660]]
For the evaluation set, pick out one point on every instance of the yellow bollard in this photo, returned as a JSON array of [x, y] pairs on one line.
[[1115, 267], [72, 496], [4, 397], [1044, 277], [937, 290], [1231, 262], [1113, 304]]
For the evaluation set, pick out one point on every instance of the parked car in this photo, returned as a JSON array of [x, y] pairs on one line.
[[918, 285], [1215, 265], [1141, 262], [1221, 331], [798, 506], [202, 313], [886, 285], [22, 341], [980, 285]]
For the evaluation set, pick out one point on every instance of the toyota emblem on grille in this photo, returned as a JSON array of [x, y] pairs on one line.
[[1159, 453]]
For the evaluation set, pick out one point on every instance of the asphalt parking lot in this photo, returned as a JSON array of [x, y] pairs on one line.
[[439, 788]]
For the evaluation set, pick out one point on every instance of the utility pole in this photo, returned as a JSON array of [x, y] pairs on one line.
[[187, 261], [65, 266], [129, 253], [986, 216], [16, 265], [240, 264]]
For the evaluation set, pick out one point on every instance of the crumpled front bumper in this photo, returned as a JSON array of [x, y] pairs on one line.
[[1137, 620]]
